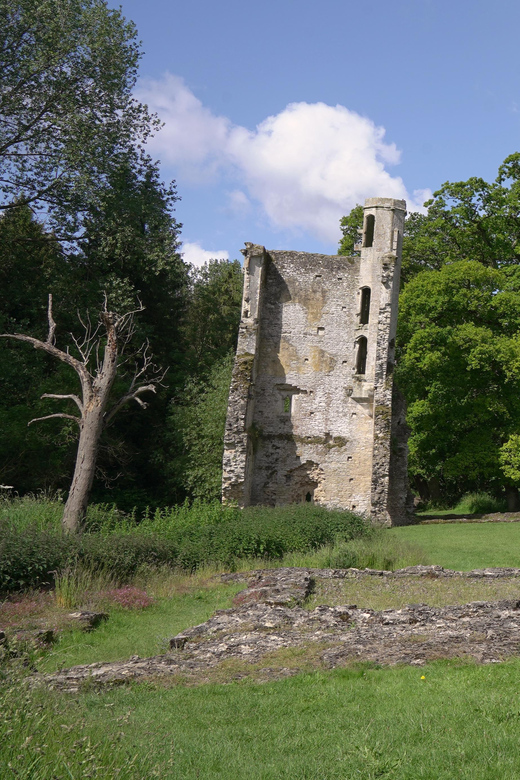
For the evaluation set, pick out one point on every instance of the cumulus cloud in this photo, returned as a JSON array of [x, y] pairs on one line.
[[306, 166], [194, 254], [419, 199], [238, 202], [192, 137]]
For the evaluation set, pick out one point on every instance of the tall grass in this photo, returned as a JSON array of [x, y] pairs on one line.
[[40, 512], [470, 504], [75, 585]]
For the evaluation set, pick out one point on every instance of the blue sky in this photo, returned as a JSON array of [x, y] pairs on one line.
[[280, 116]]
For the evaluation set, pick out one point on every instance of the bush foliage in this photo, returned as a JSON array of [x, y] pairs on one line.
[[33, 547]]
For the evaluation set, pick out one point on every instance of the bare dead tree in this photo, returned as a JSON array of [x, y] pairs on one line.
[[103, 345]]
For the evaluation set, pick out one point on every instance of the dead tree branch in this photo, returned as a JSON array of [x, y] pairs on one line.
[[72, 397], [58, 414], [96, 386]]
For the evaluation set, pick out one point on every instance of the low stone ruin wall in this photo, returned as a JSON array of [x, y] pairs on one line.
[[268, 617]]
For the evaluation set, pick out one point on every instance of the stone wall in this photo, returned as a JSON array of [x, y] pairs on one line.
[[310, 413]]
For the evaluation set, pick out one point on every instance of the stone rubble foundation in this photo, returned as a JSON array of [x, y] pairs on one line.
[[268, 617]]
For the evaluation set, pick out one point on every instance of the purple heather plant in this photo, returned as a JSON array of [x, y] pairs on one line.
[[127, 597]]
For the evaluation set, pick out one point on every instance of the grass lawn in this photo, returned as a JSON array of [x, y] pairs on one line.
[[465, 546], [442, 721], [460, 721]]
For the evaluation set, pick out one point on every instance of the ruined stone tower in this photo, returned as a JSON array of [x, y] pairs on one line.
[[312, 415]]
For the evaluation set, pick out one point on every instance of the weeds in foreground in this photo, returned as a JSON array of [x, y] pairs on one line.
[[43, 738]]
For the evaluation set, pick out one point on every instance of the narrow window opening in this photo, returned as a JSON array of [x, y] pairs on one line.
[[369, 230], [364, 314], [287, 404], [308, 497], [361, 360], [320, 331]]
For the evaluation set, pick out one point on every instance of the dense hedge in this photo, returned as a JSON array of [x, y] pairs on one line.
[[185, 537], [29, 557]]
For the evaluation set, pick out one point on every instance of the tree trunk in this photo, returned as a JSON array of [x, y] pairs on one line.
[[84, 470], [91, 427], [512, 498], [95, 390]]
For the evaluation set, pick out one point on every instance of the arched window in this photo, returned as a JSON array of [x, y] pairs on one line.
[[361, 359], [364, 313], [369, 230]]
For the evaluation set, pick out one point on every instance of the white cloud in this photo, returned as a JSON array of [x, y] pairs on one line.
[[419, 199], [306, 167], [238, 202], [195, 255], [192, 138]]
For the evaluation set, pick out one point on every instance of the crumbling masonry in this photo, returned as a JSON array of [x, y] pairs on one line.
[[312, 414]]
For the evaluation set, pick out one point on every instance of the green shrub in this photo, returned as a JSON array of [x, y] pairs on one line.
[[187, 537], [30, 557], [480, 503], [227, 535], [121, 555]]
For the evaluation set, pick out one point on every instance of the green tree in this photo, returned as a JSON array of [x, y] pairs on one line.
[[130, 250], [70, 135], [66, 107], [195, 426], [459, 367], [351, 226], [31, 262], [200, 421], [213, 314], [468, 220]]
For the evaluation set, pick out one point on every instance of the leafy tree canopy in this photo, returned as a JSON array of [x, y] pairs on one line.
[[66, 107], [351, 226], [459, 367], [468, 220], [214, 312]]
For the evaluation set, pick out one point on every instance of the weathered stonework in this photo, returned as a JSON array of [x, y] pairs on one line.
[[312, 414], [268, 618]]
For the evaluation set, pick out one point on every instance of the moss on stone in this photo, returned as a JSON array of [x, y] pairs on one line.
[[242, 370]]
